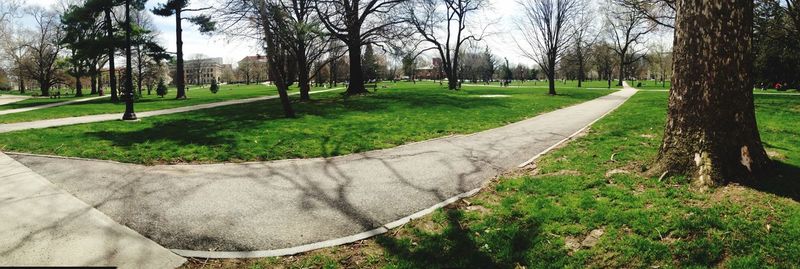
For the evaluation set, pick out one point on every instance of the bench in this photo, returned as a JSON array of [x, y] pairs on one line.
[[373, 86]]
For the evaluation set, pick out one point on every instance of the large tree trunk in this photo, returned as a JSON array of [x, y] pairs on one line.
[[112, 76], [621, 69], [581, 69], [78, 85], [179, 73], [44, 87], [551, 75], [129, 113], [93, 79], [711, 132], [356, 85]]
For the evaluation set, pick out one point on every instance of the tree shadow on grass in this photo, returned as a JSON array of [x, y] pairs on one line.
[[183, 132], [456, 246], [784, 182]]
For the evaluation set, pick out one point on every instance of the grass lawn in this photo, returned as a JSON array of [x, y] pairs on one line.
[[38, 101], [578, 208], [146, 103], [330, 125]]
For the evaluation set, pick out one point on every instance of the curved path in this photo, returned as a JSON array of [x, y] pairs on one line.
[[26, 109], [284, 207], [8, 99]]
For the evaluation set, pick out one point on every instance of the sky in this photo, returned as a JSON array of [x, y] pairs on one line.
[[501, 41]]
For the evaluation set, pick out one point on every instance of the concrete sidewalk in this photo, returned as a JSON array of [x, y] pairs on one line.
[[11, 127], [26, 109], [42, 225], [8, 99], [284, 207]]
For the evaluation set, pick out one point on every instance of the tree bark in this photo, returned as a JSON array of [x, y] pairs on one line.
[[551, 75], [129, 98], [711, 133], [179, 71], [356, 85], [303, 78], [93, 79], [78, 86], [112, 76], [621, 69]]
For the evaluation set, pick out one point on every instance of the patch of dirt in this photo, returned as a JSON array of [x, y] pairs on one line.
[[590, 240], [648, 136], [775, 155], [616, 171], [563, 173]]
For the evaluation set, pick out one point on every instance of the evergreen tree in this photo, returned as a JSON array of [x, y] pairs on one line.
[[370, 64], [177, 8]]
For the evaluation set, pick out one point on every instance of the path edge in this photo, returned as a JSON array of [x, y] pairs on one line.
[[380, 230]]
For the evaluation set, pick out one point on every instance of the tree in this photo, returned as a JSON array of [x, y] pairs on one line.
[[357, 23], [111, 41], [214, 86], [627, 29], [711, 132], [661, 61], [129, 96], [409, 62], [147, 50], [177, 8], [269, 21], [44, 49], [370, 64], [661, 12], [489, 66], [508, 74], [435, 21], [604, 61], [245, 70], [76, 25], [161, 89], [309, 41], [583, 39], [546, 30]]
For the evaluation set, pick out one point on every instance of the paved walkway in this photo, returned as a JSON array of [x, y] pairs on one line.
[[41, 225], [288, 206], [8, 99], [11, 127], [26, 109]]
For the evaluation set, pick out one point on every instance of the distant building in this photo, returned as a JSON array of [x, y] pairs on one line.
[[432, 71], [252, 68], [201, 71]]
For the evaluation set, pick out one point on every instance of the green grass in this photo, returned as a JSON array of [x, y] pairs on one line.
[[146, 103], [527, 218], [330, 125], [38, 101]]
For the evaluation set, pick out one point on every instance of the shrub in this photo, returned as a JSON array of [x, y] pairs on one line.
[[214, 87], [161, 89]]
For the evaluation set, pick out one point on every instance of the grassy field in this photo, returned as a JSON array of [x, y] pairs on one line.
[[579, 208], [38, 101], [330, 125], [146, 103], [650, 84]]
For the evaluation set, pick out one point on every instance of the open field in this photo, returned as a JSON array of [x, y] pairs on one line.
[[588, 204], [195, 95], [330, 125]]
